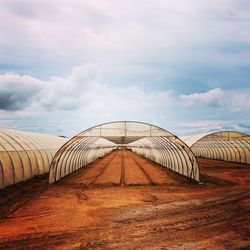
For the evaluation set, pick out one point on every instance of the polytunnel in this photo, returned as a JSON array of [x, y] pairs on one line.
[[229, 146], [24, 155], [144, 139]]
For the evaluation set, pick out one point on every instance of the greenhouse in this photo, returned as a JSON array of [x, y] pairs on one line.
[[226, 145], [144, 139], [24, 155]]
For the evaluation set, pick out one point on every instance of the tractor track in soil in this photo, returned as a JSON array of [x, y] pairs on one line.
[[126, 201], [100, 173]]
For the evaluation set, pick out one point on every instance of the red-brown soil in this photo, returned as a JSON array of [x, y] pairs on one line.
[[124, 201]]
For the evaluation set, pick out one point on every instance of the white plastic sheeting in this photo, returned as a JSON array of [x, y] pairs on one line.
[[24, 155], [77, 153], [225, 145], [172, 154], [145, 139]]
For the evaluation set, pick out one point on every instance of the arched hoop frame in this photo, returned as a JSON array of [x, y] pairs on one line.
[[229, 146], [144, 139]]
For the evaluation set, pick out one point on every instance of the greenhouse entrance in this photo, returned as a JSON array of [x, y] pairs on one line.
[[134, 139]]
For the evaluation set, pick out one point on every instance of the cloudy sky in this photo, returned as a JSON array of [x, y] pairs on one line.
[[66, 65]]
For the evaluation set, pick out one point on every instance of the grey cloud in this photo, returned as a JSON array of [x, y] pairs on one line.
[[120, 32], [17, 92], [20, 9], [13, 101]]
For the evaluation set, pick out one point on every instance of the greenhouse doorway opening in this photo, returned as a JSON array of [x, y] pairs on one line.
[[124, 141]]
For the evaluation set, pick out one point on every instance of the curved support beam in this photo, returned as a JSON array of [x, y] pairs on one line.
[[145, 139], [226, 145]]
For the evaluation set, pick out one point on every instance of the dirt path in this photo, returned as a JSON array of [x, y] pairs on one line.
[[120, 168], [100, 208]]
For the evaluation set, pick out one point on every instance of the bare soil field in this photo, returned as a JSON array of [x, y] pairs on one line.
[[124, 201]]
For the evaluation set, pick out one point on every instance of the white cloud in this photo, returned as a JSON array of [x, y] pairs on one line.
[[85, 98], [207, 126], [212, 98], [82, 96], [84, 89], [229, 101]]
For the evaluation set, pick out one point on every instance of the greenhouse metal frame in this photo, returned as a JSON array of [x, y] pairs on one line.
[[145, 139]]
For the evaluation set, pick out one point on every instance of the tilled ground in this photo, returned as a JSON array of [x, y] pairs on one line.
[[124, 201]]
